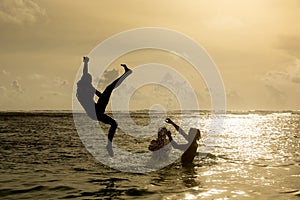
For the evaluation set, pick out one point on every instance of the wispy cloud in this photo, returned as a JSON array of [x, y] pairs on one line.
[[55, 93], [277, 95], [36, 76], [291, 75], [60, 82], [3, 91], [20, 11], [290, 44], [234, 98], [107, 78], [47, 82], [16, 86], [282, 85], [5, 73], [296, 79]]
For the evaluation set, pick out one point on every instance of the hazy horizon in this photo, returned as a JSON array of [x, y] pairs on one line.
[[139, 110]]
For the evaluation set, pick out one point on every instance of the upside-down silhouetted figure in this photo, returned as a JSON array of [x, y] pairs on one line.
[[85, 95]]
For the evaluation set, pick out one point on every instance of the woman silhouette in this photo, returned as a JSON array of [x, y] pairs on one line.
[[159, 146], [190, 149]]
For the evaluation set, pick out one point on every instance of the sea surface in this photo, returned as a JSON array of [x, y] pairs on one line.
[[254, 155]]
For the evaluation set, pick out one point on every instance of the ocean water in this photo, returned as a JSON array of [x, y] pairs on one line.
[[254, 155]]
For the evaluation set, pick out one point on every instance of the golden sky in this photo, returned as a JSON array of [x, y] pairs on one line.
[[255, 44]]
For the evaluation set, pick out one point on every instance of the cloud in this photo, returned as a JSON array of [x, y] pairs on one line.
[[47, 82], [224, 22], [64, 82], [4, 97], [36, 76], [59, 82], [283, 85], [234, 98], [179, 85], [55, 93], [290, 44], [276, 94], [5, 73], [16, 86], [107, 78], [296, 79], [291, 75], [20, 11], [2, 88], [3, 91], [295, 72]]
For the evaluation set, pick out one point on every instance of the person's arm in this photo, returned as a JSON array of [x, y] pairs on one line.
[[175, 144], [180, 131], [85, 65]]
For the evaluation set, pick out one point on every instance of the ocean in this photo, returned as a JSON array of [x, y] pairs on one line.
[[254, 155]]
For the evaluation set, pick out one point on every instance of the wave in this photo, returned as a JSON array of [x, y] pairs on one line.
[[6, 192]]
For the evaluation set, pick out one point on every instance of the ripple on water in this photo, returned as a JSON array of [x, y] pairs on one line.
[[256, 155]]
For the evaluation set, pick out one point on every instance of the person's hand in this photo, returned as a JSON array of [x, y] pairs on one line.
[[86, 59], [169, 121]]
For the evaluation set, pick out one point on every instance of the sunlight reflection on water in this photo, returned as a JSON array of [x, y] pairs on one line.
[[254, 156]]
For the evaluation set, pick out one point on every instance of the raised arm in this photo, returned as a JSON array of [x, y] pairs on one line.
[[85, 65], [86, 73], [174, 144], [180, 131]]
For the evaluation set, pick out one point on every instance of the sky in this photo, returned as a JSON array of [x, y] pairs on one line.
[[255, 45]]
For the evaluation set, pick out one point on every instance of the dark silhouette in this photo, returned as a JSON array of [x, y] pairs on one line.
[[85, 95], [190, 148], [160, 143]]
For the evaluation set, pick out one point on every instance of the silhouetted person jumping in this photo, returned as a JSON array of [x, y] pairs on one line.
[[85, 95]]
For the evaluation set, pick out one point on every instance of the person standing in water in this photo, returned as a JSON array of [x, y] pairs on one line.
[[85, 95], [190, 149]]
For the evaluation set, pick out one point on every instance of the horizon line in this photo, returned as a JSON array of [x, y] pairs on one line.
[[172, 110]]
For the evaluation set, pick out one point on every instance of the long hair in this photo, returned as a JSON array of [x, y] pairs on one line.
[[194, 134]]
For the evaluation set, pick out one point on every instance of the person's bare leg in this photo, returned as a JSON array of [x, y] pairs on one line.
[[111, 132], [105, 96], [119, 80], [101, 106]]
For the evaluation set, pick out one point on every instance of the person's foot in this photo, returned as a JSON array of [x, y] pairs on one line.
[[126, 69], [109, 149]]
